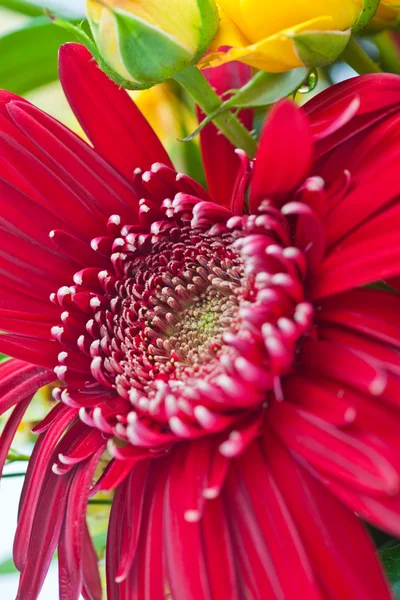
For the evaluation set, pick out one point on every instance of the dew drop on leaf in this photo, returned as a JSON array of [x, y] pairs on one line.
[[310, 84]]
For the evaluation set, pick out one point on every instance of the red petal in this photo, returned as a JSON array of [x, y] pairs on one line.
[[147, 578], [335, 540], [341, 455], [47, 522], [257, 569], [25, 324], [71, 542], [24, 303], [76, 161], [34, 488], [186, 571], [32, 177], [6, 124], [10, 429], [113, 123], [370, 312], [238, 195], [219, 158], [378, 96], [18, 380], [40, 352], [366, 198], [372, 259], [278, 528], [135, 494], [382, 512], [361, 373], [223, 575], [91, 578], [284, 155], [320, 398], [114, 536]]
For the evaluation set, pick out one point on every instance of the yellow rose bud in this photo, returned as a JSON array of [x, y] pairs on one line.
[[278, 36], [148, 41], [387, 15]]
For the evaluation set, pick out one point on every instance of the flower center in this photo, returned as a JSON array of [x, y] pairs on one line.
[[193, 324], [197, 333], [173, 324]]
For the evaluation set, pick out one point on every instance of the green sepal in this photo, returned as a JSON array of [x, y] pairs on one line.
[[319, 49], [367, 13], [149, 55], [87, 41], [209, 18], [262, 90]]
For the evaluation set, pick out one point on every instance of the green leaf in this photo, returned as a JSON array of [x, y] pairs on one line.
[[16, 456], [383, 286], [7, 567], [99, 542], [266, 88], [262, 90], [318, 49], [390, 558], [29, 55], [380, 538]]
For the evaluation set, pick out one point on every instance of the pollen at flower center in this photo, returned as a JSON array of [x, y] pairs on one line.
[[197, 334]]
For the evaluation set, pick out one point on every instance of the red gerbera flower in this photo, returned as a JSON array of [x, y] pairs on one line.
[[226, 349]]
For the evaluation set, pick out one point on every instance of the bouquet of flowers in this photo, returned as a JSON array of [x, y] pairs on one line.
[[200, 276]]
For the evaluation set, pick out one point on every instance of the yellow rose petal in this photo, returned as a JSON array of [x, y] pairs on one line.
[[264, 18], [228, 34], [275, 53]]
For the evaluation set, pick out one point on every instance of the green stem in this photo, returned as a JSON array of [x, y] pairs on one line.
[[359, 60], [197, 85], [100, 502], [9, 475], [389, 52], [12, 458]]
